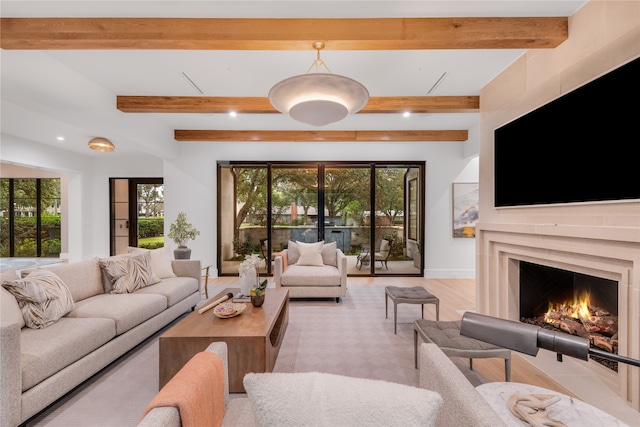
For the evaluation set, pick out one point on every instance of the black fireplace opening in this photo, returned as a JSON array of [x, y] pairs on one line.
[[571, 302]]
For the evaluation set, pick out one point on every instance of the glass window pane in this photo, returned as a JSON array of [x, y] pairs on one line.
[[4, 218], [150, 232], [243, 214], [347, 203], [50, 219], [294, 205], [391, 257], [25, 226]]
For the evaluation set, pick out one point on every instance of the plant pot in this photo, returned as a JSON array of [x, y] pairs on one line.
[[182, 252], [257, 301]]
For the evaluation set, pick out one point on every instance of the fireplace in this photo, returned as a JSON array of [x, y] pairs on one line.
[[574, 303], [607, 256]]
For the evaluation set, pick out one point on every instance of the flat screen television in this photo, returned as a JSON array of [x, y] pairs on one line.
[[581, 147]]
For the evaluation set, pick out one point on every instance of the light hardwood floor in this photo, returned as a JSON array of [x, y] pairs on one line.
[[456, 295]]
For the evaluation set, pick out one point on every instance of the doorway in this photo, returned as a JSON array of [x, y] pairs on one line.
[[137, 213]]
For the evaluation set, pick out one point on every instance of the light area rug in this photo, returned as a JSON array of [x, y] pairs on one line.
[[352, 338]]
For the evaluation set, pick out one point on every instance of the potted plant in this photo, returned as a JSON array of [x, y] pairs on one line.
[[258, 293], [181, 231]]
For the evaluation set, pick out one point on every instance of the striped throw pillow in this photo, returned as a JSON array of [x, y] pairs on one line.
[[42, 296], [129, 273]]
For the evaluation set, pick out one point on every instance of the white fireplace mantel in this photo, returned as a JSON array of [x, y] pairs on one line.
[[608, 252]]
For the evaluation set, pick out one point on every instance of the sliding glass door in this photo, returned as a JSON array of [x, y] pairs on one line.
[[390, 254], [360, 206], [347, 200], [294, 205], [242, 214]]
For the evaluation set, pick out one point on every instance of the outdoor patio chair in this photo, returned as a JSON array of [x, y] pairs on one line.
[[382, 255]]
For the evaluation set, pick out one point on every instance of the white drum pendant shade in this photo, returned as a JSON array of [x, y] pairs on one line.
[[318, 99]]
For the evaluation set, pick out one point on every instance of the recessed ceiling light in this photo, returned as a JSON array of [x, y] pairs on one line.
[[233, 113], [60, 138], [406, 114]]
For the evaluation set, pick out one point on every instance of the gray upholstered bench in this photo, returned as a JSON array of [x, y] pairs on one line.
[[413, 295], [446, 335]]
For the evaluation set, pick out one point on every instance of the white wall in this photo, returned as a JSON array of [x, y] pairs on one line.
[[113, 167], [88, 190], [190, 186], [75, 203], [191, 177]]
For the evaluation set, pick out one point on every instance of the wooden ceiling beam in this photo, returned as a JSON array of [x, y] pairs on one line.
[[261, 105], [185, 135], [283, 34]]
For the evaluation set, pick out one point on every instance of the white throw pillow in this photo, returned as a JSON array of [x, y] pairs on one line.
[[321, 399], [310, 254], [160, 261], [42, 296], [292, 252], [329, 254]]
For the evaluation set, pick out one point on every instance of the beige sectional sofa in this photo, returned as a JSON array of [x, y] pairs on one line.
[[40, 365], [316, 270], [461, 404]]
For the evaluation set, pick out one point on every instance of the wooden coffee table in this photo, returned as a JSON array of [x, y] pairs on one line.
[[253, 338]]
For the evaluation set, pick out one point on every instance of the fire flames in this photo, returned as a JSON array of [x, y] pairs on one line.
[[577, 309], [580, 317]]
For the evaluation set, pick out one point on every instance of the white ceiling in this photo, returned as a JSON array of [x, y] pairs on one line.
[[46, 94]]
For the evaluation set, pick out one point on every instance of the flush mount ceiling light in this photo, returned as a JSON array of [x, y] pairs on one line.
[[101, 144], [318, 98]]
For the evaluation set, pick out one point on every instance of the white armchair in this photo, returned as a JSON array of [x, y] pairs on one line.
[[311, 270]]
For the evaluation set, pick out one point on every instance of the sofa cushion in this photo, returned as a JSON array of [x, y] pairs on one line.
[[9, 309], [310, 254], [47, 351], [321, 399], [292, 252], [174, 289], [160, 261], [83, 278], [298, 275], [129, 273], [330, 254], [127, 310], [42, 296]]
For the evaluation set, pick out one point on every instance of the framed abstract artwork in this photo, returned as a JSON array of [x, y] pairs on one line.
[[465, 209]]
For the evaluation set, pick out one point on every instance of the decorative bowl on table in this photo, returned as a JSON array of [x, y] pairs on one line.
[[226, 310]]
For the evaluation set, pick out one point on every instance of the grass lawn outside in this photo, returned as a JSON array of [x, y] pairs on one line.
[[151, 242]]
